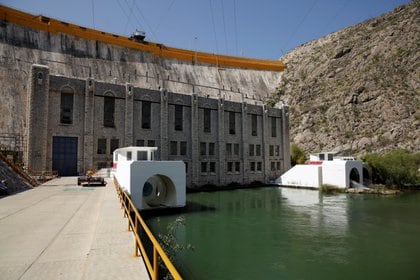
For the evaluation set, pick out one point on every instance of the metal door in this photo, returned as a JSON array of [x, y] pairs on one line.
[[64, 155]]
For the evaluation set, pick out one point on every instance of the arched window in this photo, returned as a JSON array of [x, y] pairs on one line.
[[66, 105], [146, 114], [232, 123], [179, 114], [207, 120], [273, 127], [254, 123], [109, 110]]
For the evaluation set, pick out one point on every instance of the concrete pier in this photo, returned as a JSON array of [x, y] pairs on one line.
[[63, 231]]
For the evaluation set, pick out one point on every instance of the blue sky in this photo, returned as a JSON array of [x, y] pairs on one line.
[[252, 28]]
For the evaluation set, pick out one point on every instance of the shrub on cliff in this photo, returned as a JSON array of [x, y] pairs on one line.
[[399, 167], [297, 155]]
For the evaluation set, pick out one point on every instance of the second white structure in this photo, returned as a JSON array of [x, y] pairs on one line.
[[323, 168]]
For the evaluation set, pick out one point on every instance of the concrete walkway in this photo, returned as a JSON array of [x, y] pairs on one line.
[[63, 231]]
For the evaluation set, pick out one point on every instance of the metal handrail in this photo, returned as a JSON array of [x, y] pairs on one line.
[[20, 171], [152, 265]]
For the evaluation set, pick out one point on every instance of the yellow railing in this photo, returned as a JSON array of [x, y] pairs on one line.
[[57, 26], [133, 225]]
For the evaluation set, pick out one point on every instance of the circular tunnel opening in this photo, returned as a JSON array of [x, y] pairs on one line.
[[158, 191], [354, 178]]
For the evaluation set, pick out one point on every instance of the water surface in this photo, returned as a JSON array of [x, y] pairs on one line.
[[281, 233]]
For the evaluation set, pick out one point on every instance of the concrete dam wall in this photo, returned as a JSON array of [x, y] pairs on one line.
[[76, 57], [91, 92]]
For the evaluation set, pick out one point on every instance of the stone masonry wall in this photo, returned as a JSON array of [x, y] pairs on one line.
[[217, 156], [69, 56], [36, 66]]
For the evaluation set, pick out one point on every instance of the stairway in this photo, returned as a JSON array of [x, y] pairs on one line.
[[17, 180]]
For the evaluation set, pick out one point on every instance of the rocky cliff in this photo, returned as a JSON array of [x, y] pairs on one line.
[[357, 90]]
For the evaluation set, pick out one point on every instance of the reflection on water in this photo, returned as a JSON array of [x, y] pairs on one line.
[[281, 233], [325, 214]]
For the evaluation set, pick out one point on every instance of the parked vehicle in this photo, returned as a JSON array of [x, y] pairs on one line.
[[90, 179]]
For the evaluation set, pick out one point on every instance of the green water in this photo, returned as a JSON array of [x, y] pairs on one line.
[[279, 233]]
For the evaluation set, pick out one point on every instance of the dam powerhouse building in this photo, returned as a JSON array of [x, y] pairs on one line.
[[76, 94]]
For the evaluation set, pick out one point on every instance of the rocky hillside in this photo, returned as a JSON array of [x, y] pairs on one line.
[[357, 90]]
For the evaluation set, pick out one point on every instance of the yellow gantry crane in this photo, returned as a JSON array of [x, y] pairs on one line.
[[56, 26]]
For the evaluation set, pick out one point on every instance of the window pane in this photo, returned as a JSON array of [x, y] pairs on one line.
[[251, 150], [211, 149], [151, 143], [66, 108], [101, 146], [212, 167], [254, 125], [271, 150], [203, 148], [230, 166], [183, 148], [252, 166], [258, 150], [146, 113], [178, 117], [207, 120], [109, 110], [236, 149], [129, 155], [232, 123], [140, 143], [173, 148], [237, 166], [273, 127], [114, 144], [277, 150], [259, 166], [141, 155], [273, 166], [228, 149], [203, 167]]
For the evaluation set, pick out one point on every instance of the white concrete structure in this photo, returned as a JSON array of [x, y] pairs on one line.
[[323, 168], [151, 184], [341, 173], [302, 175]]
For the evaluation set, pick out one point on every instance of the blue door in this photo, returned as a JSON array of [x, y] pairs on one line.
[[64, 155]]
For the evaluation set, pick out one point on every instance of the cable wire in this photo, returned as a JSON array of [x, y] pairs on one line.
[[301, 22], [214, 26], [129, 16], [123, 10], [224, 27], [164, 16], [236, 28], [336, 13], [93, 14], [145, 21]]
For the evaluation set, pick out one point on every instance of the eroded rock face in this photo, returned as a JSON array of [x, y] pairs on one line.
[[357, 90]]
